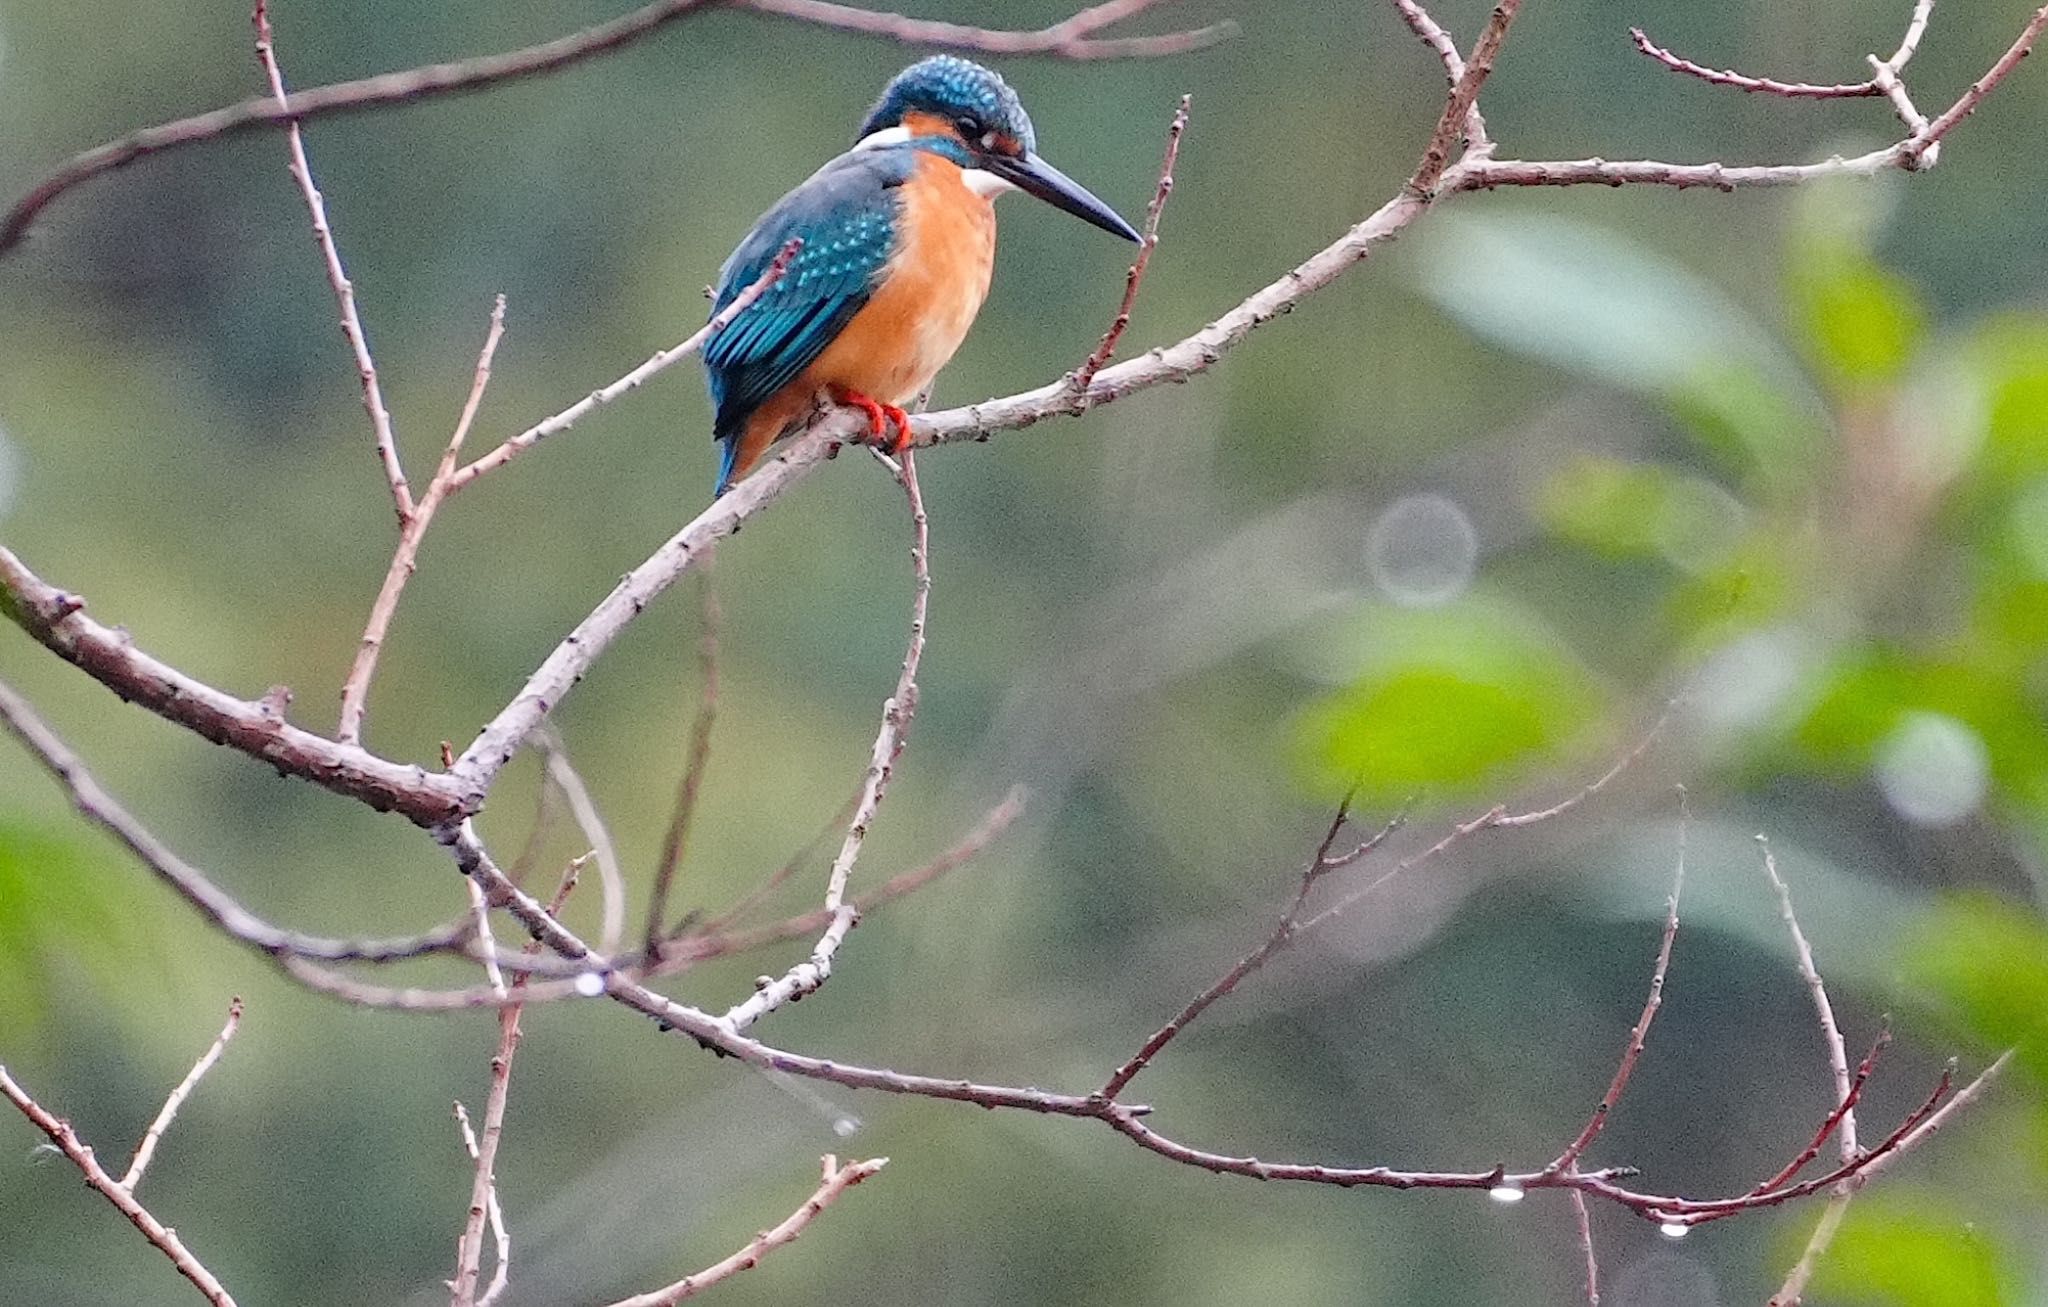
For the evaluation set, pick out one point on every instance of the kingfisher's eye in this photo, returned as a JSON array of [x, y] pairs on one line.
[[968, 126]]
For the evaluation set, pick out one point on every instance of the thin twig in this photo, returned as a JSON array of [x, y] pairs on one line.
[[1831, 1032], [483, 1147], [679, 954], [1832, 1121], [675, 840], [501, 1235], [1436, 156], [161, 1236], [611, 873], [1432, 34], [1320, 863], [1122, 321], [897, 713], [337, 279], [1584, 1220], [355, 689], [1742, 82], [212, 902], [147, 1148], [838, 1179], [1640, 1033], [659, 361]]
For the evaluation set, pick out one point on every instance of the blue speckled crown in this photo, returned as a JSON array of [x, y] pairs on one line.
[[952, 87]]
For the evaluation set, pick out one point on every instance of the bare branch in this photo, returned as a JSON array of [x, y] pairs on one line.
[[501, 1236], [1569, 1159], [632, 381], [337, 279], [164, 1238], [147, 1148], [675, 840], [1069, 40], [1584, 1221], [838, 1179], [214, 903], [1831, 1032], [1320, 863], [897, 713], [1432, 34], [355, 690], [1122, 321], [678, 954], [54, 618], [483, 1147], [1922, 145], [1464, 94], [1741, 82], [611, 873]]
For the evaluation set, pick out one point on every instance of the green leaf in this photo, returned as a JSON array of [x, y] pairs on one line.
[[1910, 1254], [1448, 700], [1625, 509], [61, 912], [1986, 964], [1861, 324]]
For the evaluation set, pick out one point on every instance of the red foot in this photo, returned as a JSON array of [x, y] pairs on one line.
[[880, 416]]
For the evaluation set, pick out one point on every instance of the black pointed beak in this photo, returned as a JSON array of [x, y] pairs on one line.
[[1033, 175]]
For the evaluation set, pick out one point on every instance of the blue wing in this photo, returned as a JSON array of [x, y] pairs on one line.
[[846, 215]]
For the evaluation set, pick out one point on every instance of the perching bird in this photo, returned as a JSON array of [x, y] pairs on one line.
[[899, 237]]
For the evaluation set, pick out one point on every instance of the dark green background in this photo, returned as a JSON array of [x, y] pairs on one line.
[[1798, 437]]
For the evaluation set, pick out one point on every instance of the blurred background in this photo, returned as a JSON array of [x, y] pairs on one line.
[[1459, 527]]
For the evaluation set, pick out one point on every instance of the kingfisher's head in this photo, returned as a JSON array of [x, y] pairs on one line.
[[964, 111]]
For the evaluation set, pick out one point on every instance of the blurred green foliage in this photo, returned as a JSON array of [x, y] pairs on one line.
[[1789, 449]]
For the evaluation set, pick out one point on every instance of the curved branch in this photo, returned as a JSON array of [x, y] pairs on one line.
[[56, 620], [1070, 40]]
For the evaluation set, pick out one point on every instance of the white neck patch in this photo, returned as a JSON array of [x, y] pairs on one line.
[[897, 135]]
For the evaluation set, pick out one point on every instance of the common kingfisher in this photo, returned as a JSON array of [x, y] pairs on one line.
[[899, 238]]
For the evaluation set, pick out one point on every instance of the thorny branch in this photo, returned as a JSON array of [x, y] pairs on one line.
[[1072, 39]]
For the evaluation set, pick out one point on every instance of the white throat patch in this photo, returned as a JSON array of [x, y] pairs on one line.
[[985, 183]]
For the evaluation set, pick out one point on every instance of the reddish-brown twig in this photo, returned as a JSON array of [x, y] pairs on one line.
[[1639, 1034], [1094, 363], [169, 1112], [1070, 39], [1583, 1219], [414, 519], [1843, 1110], [337, 279], [675, 840], [121, 1193], [838, 1179], [1922, 144], [658, 362], [1321, 863], [897, 713]]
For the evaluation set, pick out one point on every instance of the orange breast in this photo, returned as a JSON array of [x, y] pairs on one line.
[[928, 298]]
